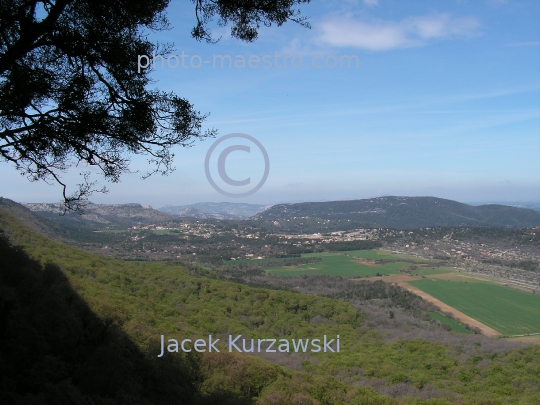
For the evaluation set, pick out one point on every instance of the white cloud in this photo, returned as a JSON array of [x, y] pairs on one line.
[[371, 3], [386, 35]]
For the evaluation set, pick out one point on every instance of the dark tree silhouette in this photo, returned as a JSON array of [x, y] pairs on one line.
[[246, 16], [71, 94]]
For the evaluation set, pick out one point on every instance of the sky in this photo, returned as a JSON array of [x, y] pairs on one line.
[[440, 98]]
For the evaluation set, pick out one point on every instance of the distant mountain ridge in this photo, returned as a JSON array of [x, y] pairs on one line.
[[101, 214], [399, 213], [210, 210], [381, 212]]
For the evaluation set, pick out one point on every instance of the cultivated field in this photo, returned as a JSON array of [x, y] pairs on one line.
[[259, 261], [357, 263], [403, 280], [381, 255], [496, 310], [508, 311], [337, 264]]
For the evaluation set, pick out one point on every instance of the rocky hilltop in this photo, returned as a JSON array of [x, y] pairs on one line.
[[101, 214]]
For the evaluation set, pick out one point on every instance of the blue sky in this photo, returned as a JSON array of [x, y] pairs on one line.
[[445, 101]]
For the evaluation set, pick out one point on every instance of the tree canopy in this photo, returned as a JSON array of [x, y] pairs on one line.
[[71, 94]]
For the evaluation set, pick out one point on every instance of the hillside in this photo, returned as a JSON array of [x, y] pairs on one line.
[[76, 233], [394, 212], [89, 327], [32, 221], [528, 204], [207, 210], [101, 215]]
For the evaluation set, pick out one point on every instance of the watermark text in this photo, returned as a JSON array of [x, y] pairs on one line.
[[275, 61]]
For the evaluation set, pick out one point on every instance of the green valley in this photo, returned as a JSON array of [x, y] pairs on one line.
[[103, 306]]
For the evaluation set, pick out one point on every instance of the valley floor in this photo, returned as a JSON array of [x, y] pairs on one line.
[[403, 281]]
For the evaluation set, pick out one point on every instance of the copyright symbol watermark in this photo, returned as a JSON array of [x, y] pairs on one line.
[[244, 186]]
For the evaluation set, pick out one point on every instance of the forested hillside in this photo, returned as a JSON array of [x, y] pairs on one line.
[[78, 328], [393, 212]]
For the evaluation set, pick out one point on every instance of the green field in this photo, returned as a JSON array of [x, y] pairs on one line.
[[381, 255], [456, 327], [346, 264], [508, 311], [337, 264], [432, 270], [260, 261]]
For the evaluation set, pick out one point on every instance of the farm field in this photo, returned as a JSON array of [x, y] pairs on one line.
[[432, 271], [337, 264], [456, 326], [381, 255], [508, 311], [260, 261]]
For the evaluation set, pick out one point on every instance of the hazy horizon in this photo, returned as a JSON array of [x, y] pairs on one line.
[[525, 204]]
